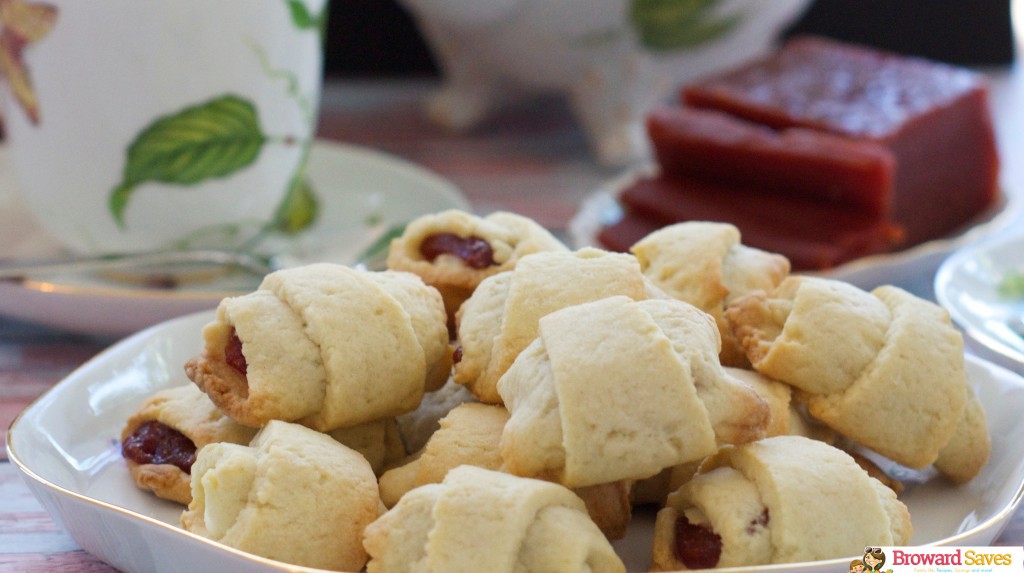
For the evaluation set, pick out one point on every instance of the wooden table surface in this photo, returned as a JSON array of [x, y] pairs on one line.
[[531, 160]]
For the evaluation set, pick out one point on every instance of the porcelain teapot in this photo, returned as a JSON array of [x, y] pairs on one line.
[[612, 59]]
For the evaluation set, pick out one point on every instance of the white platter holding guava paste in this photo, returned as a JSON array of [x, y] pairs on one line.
[[982, 287], [363, 195], [910, 269]]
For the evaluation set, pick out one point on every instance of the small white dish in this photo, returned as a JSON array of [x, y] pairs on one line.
[[363, 194], [66, 445], [911, 269], [967, 284]]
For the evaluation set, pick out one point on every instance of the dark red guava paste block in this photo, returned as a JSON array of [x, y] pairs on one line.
[[713, 146], [812, 234], [933, 118]]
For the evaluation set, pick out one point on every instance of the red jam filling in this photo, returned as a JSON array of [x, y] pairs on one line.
[[696, 546], [157, 443], [233, 354], [474, 251]]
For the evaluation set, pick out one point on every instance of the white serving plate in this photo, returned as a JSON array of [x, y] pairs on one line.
[[911, 269], [967, 285], [66, 445], [363, 193]]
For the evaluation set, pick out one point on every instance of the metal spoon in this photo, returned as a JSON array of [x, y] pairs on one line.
[[161, 263], [247, 261]]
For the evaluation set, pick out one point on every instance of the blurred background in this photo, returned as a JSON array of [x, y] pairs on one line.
[[369, 38]]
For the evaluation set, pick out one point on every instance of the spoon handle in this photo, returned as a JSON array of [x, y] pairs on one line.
[[21, 268]]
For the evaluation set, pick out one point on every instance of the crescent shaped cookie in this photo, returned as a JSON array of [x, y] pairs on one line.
[[326, 346], [160, 439], [784, 499], [471, 435], [481, 520], [468, 434], [294, 495], [454, 250], [618, 389], [500, 320], [705, 264], [786, 417], [885, 368], [417, 426], [968, 450], [378, 441]]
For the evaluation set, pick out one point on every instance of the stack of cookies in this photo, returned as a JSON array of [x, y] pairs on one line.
[[495, 401]]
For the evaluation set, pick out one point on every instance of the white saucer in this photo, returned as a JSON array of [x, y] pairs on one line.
[[967, 284], [363, 193]]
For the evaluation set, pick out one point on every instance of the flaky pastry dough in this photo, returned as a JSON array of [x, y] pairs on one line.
[[706, 265], [618, 389], [189, 411], [885, 368], [326, 346], [294, 495], [509, 236], [481, 520], [500, 320], [784, 499]]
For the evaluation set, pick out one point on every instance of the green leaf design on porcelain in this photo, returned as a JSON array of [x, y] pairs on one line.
[[305, 20], [666, 25], [300, 205], [219, 137], [301, 16], [1012, 285], [375, 255], [210, 140]]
